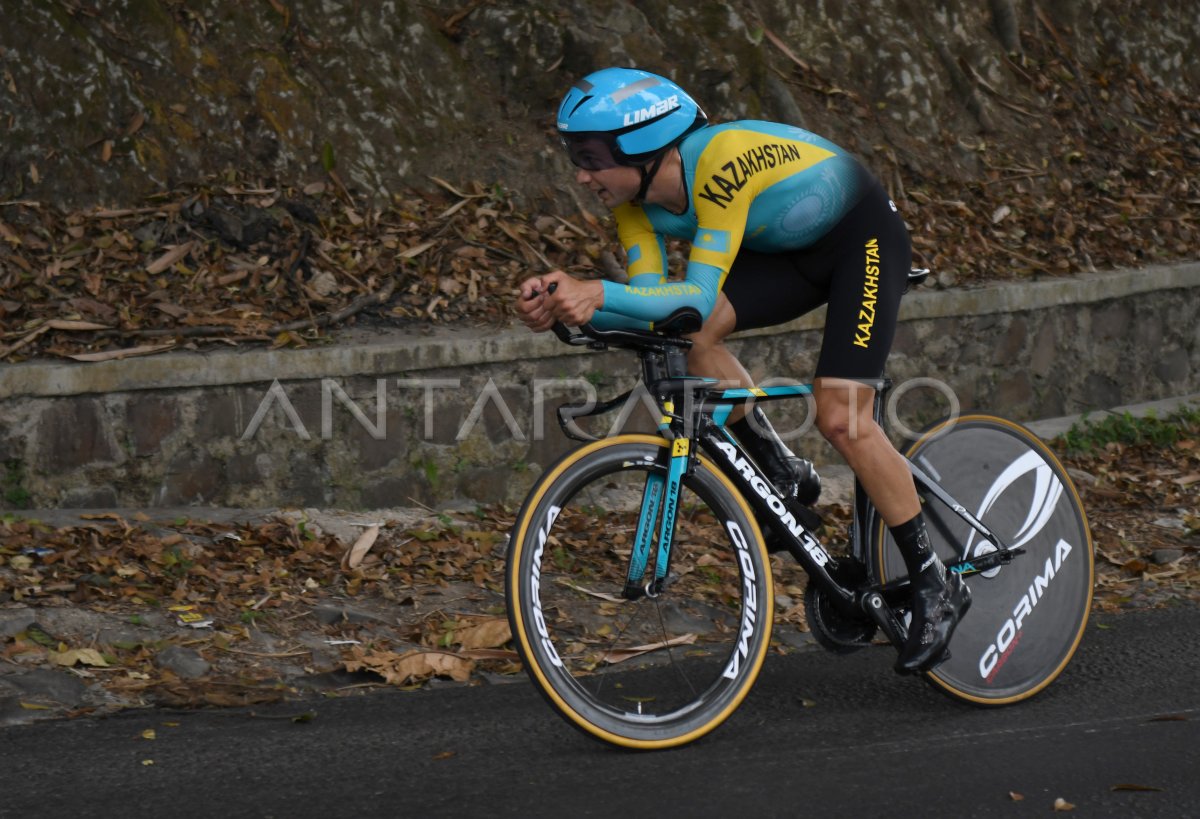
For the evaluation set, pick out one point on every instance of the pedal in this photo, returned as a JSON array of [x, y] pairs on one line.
[[874, 604]]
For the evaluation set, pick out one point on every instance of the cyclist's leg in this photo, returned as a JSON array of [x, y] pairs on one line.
[[709, 357], [868, 279], [761, 290], [845, 419], [868, 274]]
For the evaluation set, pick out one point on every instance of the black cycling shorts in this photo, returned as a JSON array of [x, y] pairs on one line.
[[860, 269]]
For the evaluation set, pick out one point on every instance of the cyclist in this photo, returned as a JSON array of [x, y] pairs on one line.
[[780, 221]]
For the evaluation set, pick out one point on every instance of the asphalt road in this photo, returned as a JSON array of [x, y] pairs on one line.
[[1117, 735]]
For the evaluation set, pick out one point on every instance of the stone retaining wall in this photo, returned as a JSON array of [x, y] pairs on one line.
[[388, 420]]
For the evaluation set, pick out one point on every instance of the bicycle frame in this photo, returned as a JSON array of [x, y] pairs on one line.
[[699, 426]]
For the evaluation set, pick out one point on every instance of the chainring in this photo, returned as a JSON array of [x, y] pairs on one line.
[[832, 629]]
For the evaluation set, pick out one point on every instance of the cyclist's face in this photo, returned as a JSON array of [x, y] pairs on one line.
[[613, 186]]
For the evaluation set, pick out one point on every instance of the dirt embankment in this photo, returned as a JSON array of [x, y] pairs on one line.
[[267, 174]]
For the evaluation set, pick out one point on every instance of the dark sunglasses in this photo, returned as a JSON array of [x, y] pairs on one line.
[[594, 150]]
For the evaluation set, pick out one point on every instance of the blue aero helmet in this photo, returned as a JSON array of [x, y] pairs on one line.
[[624, 116]]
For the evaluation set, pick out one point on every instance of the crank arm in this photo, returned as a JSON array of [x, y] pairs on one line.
[[885, 617], [983, 563]]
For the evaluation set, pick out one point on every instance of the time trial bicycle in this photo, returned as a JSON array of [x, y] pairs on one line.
[[639, 586]]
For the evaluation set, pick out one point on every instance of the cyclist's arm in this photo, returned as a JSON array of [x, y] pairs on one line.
[[649, 295], [605, 320]]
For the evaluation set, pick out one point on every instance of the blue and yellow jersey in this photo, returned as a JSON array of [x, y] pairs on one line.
[[760, 185]]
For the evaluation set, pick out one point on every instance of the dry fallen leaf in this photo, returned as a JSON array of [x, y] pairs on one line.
[[1063, 805], [355, 554], [64, 324], [506, 654], [623, 654], [486, 634], [411, 666], [128, 352], [81, 656], [416, 250], [169, 258]]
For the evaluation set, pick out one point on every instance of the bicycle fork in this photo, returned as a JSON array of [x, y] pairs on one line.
[[660, 502]]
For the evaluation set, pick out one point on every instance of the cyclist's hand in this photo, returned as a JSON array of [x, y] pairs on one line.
[[531, 305], [570, 300]]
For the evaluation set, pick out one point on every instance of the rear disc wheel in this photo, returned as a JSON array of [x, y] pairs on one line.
[[1027, 616]]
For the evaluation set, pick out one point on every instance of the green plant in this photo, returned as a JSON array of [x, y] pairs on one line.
[[431, 471], [13, 484], [1086, 435], [174, 563], [563, 559]]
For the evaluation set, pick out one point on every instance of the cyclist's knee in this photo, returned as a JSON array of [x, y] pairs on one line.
[[706, 343], [846, 432], [703, 342], [841, 421], [835, 427], [711, 334], [720, 323]]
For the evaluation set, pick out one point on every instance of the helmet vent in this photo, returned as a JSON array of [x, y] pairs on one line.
[[578, 104]]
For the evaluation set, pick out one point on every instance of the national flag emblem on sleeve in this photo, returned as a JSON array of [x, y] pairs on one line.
[[714, 240]]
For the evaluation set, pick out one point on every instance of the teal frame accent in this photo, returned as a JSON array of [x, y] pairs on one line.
[[652, 498], [666, 529]]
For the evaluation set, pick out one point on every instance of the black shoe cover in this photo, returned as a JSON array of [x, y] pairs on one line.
[[937, 609], [803, 484], [794, 477]]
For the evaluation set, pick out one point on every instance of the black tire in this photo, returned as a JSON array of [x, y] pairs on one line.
[[1026, 618], [567, 561]]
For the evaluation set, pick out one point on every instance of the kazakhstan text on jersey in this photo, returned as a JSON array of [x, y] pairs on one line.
[[761, 185]]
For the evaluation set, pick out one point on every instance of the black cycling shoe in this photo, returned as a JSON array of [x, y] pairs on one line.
[[800, 482], [794, 477], [939, 600], [939, 603]]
